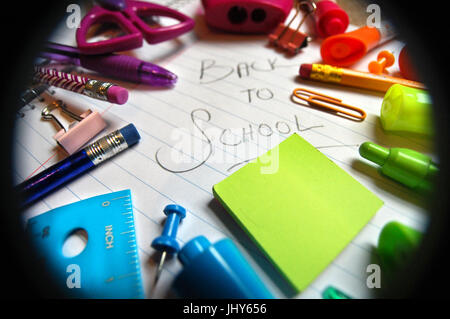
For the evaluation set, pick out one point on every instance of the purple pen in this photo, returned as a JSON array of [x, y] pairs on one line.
[[122, 67], [112, 4]]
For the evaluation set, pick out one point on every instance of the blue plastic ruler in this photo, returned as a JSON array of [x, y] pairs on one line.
[[108, 267]]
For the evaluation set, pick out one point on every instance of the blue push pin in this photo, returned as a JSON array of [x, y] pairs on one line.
[[167, 242]]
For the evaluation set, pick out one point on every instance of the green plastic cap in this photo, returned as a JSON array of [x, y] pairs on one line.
[[333, 293], [406, 166], [406, 109], [396, 244], [374, 153]]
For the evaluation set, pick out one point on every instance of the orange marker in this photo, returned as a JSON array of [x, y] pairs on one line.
[[365, 80], [348, 48], [384, 60]]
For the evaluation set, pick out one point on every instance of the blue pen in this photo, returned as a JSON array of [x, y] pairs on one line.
[[73, 166]]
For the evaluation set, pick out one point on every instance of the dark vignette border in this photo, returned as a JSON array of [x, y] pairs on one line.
[[27, 24]]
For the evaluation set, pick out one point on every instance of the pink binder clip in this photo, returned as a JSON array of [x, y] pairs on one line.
[[86, 126]]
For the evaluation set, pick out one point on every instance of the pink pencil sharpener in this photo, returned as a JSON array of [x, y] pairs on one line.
[[248, 16]]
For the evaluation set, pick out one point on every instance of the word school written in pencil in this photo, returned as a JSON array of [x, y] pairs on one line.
[[237, 136], [196, 150]]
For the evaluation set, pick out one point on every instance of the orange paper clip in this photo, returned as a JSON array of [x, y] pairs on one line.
[[316, 99]]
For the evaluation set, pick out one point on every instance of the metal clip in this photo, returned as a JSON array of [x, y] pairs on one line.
[[289, 39], [313, 98], [78, 133]]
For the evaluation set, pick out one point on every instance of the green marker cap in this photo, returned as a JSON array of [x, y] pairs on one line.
[[406, 166], [396, 244], [333, 293], [374, 153], [406, 109]]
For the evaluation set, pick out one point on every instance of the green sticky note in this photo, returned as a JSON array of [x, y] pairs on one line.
[[299, 207]]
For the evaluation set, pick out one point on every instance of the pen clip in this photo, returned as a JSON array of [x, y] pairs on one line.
[[327, 102]]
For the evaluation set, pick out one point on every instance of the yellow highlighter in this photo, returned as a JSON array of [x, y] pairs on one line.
[[406, 109]]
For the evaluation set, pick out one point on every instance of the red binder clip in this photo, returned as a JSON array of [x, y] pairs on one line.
[[293, 40]]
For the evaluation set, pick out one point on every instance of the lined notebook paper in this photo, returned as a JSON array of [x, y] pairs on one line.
[[231, 104]]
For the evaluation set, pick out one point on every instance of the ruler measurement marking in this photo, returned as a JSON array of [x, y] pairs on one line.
[[126, 196], [126, 232], [110, 279], [136, 273]]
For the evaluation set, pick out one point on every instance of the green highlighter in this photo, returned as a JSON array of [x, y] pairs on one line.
[[406, 166], [396, 244]]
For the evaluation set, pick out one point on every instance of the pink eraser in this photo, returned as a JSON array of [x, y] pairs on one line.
[[117, 94], [305, 70], [79, 133]]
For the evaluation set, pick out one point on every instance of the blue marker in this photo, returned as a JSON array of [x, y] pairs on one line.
[[167, 243], [217, 271], [73, 166]]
